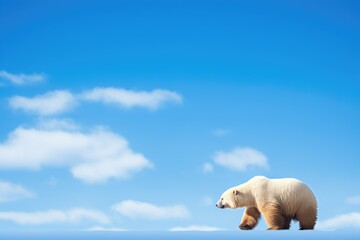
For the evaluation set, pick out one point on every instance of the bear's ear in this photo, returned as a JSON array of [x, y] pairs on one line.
[[235, 192]]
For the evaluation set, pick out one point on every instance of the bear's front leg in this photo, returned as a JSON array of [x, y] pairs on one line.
[[250, 218]]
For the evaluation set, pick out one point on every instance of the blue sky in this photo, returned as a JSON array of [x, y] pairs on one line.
[[137, 115]]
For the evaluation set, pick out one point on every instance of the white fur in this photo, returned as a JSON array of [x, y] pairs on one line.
[[291, 194]]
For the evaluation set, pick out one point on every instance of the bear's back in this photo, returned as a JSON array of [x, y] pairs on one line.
[[291, 193]]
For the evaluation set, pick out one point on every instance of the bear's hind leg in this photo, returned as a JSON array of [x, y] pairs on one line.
[[275, 217], [250, 218], [307, 219]]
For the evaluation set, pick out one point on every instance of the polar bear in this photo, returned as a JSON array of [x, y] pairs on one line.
[[278, 200]]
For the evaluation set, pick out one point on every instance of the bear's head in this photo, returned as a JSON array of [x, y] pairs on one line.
[[229, 199]]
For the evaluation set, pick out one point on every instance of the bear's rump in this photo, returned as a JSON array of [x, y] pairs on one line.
[[294, 198]]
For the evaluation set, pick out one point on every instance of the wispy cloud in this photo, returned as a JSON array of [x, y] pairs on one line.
[[207, 168], [220, 132], [127, 98], [344, 221], [22, 79], [353, 200], [92, 157], [144, 210], [60, 101], [208, 201], [240, 159], [11, 192], [52, 181], [50, 103], [202, 228], [105, 229], [58, 124], [76, 215]]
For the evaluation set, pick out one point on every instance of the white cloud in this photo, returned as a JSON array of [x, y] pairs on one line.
[[196, 228], [240, 159], [50, 103], [353, 200], [80, 214], [22, 79], [208, 167], [12, 192], [105, 229], [144, 210], [93, 157], [76, 215], [58, 124], [60, 101], [344, 221], [127, 99]]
